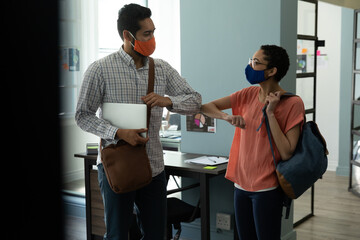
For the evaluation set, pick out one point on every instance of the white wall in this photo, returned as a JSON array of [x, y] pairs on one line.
[[328, 79], [73, 34], [73, 140], [347, 32], [335, 26]]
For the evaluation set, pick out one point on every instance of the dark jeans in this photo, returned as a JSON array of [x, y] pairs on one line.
[[258, 214], [150, 201]]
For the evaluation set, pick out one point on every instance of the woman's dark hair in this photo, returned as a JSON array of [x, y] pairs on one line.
[[129, 17], [277, 57]]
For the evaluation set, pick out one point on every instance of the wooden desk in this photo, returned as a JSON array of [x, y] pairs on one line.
[[174, 165]]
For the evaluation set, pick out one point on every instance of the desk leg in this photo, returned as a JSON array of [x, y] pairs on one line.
[[205, 207], [87, 167]]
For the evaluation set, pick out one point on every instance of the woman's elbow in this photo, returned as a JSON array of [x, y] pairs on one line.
[[206, 108], [286, 156]]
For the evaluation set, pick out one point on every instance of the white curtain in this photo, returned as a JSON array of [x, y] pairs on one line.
[[99, 29], [89, 34]]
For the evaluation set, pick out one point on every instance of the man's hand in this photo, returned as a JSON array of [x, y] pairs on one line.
[[132, 136], [153, 99]]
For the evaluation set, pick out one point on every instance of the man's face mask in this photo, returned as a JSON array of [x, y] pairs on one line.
[[145, 48]]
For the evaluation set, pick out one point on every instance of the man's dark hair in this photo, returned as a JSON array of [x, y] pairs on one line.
[[129, 17], [277, 57]]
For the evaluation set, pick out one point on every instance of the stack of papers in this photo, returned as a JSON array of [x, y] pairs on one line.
[[210, 161]]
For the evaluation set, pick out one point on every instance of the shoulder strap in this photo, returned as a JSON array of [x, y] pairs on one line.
[[150, 87], [288, 94], [265, 119], [286, 201], [268, 133]]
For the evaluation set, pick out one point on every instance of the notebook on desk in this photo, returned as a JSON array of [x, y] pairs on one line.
[[206, 160], [125, 115]]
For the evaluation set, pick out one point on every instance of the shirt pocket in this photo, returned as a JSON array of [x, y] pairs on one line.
[[159, 89], [160, 85]]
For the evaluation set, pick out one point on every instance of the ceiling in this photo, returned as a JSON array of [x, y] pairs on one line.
[[354, 4]]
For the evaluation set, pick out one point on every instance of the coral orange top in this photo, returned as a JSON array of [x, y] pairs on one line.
[[251, 164]]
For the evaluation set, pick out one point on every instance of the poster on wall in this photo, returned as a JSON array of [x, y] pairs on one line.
[[70, 59], [301, 63], [200, 123]]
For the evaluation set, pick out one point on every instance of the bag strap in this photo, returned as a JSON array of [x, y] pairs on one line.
[[286, 201], [265, 119], [151, 77]]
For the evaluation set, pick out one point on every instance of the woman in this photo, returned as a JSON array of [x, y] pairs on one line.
[[258, 196]]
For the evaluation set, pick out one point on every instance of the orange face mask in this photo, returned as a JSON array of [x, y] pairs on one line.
[[145, 48]]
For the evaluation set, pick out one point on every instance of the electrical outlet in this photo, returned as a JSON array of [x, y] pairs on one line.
[[223, 221]]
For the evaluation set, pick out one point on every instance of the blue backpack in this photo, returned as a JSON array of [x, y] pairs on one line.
[[308, 163]]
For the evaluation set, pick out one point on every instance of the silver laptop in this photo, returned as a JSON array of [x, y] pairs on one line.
[[125, 116]]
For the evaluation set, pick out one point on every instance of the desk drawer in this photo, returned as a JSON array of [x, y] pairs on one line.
[[97, 207]]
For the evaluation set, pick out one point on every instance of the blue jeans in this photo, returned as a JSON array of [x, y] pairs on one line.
[[150, 201], [258, 214]]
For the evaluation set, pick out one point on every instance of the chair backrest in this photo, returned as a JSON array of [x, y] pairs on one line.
[[179, 204], [179, 211]]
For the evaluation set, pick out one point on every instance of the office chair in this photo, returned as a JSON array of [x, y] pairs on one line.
[[179, 211], [135, 232]]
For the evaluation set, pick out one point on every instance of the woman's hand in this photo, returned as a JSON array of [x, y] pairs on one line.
[[235, 120], [213, 109], [272, 100]]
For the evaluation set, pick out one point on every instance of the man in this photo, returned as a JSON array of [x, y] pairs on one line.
[[122, 77]]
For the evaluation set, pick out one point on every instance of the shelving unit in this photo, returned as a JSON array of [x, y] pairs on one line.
[[306, 77], [354, 177]]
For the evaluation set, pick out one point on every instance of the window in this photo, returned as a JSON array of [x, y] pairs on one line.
[[108, 37], [88, 31]]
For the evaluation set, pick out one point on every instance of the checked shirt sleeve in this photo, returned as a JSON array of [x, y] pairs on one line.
[[185, 99], [90, 99]]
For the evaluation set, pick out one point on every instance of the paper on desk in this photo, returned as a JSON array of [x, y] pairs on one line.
[[210, 161]]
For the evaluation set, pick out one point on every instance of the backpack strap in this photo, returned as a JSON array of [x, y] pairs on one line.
[[287, 201], [265, 119]]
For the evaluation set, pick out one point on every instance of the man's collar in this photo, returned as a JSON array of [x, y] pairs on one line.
[[129, 60], [126, 57]]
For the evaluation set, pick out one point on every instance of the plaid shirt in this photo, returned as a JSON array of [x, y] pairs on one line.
[[115, 79]]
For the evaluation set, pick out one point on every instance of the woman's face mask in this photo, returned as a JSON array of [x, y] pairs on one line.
[[145, 48], [254, 76]]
